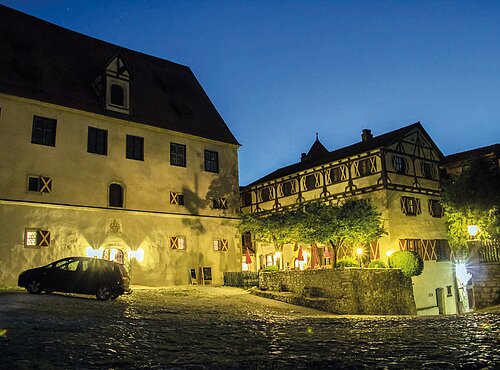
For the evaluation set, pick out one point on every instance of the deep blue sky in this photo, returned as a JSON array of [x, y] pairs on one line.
[[279, 71]]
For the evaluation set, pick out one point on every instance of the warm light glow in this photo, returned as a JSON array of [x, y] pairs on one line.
[[245, 267], [138, 254], [91, 252], [389, 253], [473, 230], [462, 274], [359, 251], [277, 254]]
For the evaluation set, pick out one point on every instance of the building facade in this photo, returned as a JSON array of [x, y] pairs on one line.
[[112, 153], [399, 173], [479, 281]]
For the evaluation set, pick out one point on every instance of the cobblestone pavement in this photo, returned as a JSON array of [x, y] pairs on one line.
[[210, 327]]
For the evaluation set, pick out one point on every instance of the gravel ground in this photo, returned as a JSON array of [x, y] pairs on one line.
[[221, 327]]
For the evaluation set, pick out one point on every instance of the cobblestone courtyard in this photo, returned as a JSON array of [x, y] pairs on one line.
[[210, 327]]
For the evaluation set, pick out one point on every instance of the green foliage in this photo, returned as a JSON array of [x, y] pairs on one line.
[[271, 268], [472, 198], [408, 261], [377, 264], [355, 222], [347, 262]]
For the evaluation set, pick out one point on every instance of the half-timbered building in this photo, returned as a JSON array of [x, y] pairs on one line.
[[110, 152], [399, 172]]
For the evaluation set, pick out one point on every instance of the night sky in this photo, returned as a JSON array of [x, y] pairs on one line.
[[280, 71]]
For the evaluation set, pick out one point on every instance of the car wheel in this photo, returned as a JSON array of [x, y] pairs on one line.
[[103, 293], [34, 287], [114, 296]]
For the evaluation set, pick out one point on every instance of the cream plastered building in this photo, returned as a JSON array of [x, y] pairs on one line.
[[399, 172], [112, 153]]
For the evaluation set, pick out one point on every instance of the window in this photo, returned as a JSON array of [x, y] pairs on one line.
[[177, 154], [310, 182], [365, 167], [211, 161], [265, 194], [135, 147], [246, 199], [115, 195], [219, 203], [435, 208], [176, 198], [427, 170], [220, 245], [34, 238], [246, 240], [410, 206], [399, 164], [178, 242], [44, 131], [443, 250], [97, 141], [288, 188], [117, 95], [40, 184]]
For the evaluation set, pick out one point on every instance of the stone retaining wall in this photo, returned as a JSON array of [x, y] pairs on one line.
[[348, 290], [486, 284]]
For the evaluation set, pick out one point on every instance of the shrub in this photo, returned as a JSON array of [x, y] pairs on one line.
[[347, 262], [377, 264], [271, 268], [408, 261]]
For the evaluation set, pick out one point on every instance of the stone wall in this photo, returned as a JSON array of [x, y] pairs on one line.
[[349, 290], [486, 284]]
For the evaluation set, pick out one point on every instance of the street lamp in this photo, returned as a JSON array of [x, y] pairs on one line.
[[473, 230], [359, 251], [389, 254]]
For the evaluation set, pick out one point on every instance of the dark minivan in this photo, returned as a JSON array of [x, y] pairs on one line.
[[84, 275]]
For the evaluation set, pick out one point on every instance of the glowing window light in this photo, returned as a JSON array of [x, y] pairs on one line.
[[138, 255]]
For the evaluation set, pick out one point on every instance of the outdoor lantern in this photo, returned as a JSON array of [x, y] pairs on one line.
[[359, 251], [138, 254], [473, 230], [91, 252]]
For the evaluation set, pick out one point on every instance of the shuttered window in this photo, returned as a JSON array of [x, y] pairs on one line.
[[410, 206]]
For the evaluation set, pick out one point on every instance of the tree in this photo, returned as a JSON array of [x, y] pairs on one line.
[[275, 228], [353, 222], [473, 197]]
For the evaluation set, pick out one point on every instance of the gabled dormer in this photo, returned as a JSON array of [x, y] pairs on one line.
[[113, 86]]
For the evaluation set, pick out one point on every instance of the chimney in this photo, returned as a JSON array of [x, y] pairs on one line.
[[303, 157], [366, 135]]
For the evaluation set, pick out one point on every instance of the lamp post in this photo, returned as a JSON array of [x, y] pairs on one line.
[[359, 251], [388, 254]]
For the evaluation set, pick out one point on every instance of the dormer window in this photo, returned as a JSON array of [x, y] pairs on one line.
[[113, 86], [117, 95]]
